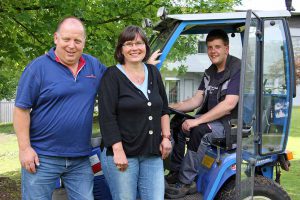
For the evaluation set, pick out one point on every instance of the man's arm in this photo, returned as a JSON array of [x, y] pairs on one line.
[[28, 157], [221, 109], [190, 104]]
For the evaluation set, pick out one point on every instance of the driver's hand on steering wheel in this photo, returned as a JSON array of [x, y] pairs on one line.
[[188, 124]]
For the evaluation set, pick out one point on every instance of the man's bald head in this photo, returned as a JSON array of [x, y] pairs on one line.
[[70, 19]]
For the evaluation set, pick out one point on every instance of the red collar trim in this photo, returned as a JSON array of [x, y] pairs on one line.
[[81, 63]]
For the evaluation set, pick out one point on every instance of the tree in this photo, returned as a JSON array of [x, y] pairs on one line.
[[27, 28], [297, 66]]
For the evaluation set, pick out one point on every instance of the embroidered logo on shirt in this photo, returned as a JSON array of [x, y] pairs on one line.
[[212, 89], [90, 76]]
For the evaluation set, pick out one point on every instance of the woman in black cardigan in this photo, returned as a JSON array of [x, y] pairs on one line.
[[134, 121]]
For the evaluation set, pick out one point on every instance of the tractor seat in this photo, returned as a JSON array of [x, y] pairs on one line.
[[228, 142]]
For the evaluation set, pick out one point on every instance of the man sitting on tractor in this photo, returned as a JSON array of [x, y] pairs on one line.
[[217, 99]]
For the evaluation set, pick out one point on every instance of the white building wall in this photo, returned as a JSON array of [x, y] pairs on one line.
[[195, 77]]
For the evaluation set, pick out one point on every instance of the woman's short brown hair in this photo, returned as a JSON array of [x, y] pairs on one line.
[[129, 34]]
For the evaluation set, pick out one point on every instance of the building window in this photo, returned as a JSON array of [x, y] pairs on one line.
[[202, 47], [172, 89]]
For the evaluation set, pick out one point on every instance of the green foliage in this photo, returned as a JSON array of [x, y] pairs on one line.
[[206, 6], [27, 28], [187, 44], [182, 69]]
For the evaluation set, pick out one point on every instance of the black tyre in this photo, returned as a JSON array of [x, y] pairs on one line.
[[264, 189]]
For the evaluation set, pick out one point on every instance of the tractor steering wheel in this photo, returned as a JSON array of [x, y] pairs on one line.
[[180, 113]]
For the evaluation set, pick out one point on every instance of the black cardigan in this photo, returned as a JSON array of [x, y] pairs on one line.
[[127, 115]]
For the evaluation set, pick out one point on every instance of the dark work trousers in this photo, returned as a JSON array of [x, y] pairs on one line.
[[178, 152], [188, 164]]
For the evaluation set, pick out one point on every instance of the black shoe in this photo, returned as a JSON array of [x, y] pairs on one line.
[[180, 190], [172, 177]]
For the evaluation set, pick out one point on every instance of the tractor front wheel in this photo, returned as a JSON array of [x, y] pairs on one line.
[[264, 189]]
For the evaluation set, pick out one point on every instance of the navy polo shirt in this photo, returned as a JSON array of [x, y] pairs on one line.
[[61, 104]]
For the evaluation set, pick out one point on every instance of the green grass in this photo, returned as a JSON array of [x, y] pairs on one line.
[[96, 129], [10, 165], [290, 181], [6, 128], [9, 155]]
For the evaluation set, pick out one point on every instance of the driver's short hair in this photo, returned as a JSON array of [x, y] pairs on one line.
[[217, 34]]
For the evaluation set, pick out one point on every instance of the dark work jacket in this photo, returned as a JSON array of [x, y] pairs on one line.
[[126, 115], [232, 67]]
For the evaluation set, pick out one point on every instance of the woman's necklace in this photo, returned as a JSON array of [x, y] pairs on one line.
[[139, 80], [136, 76]]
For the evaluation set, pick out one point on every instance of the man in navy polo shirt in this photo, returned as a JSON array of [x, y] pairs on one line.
[[53, 116]]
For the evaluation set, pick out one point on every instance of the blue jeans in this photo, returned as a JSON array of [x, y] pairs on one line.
[[144, 174], [76, 174]]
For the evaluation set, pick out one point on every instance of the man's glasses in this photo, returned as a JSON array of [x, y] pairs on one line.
[[137, 44]]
